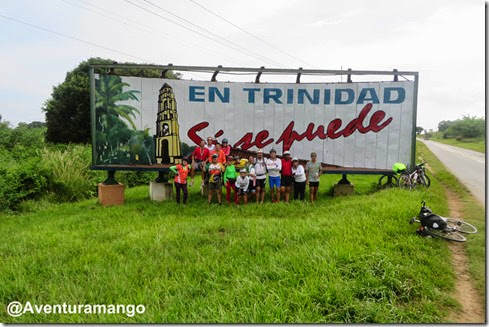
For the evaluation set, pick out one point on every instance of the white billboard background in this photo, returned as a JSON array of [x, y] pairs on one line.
[[369, 150]]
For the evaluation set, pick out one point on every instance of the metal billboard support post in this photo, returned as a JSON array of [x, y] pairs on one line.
[[92, 110], [415, 111]]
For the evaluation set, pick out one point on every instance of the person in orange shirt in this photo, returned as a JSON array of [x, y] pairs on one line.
[[221, 157], [180, 179]]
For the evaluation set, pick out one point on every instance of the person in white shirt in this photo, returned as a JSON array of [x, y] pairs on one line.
[[299, 179], [242, 183], [261, 175], [274, 166], [210, 144], [250, 169]]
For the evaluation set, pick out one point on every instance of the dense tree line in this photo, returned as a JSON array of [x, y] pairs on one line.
[[466, 127]]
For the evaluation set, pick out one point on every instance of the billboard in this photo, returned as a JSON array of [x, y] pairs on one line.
[[144, 121]]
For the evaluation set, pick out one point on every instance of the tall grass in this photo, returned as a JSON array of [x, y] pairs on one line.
[[68, 172]]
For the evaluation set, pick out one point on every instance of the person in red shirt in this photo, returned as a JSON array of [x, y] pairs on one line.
[[200, 156], [226, 148], [287, 178], [221, 158], [180, 179]]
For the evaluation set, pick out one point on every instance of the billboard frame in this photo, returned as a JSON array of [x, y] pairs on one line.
[[271, 71]]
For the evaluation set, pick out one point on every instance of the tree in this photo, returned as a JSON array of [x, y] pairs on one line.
[[68, 110], [443, 125], [467, 127], [419, 129]]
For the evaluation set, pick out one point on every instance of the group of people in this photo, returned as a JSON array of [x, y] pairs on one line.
[[219, 168]]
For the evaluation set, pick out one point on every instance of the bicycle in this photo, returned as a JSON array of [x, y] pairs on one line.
[[388, 180], [437, 226], [409, 179]]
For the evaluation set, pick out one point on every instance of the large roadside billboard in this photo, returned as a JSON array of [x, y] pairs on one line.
[[144, 121]]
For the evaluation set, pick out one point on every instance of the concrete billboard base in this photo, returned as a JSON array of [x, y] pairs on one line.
[[109, 195], [160, 191], [343, 189]]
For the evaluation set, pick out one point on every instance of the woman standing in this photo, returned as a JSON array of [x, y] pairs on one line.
[[230, 180], [180, 179], [299, 179], [313, 172]]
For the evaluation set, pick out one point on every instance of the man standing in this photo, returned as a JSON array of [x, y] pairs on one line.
[[261, 176], [313, 172], [210, 144], [274, 166], [287, 178], [221, 158], [199, 158]]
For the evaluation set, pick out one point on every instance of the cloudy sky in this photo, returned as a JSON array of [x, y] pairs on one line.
[[443, 40]]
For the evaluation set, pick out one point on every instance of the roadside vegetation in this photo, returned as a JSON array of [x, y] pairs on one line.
[[467, 132]]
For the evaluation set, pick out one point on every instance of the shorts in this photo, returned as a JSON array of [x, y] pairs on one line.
[[197, 165], [274, 181], [313, 184], [287, 180], [260, 183], [242, 192], [215, 186], [251, 188]]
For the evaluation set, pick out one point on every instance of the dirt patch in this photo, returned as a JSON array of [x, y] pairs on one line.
[[473, 308]]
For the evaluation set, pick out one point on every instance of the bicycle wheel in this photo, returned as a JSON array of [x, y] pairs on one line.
[[446, 234], [424, 180], [461, 226], [405, 182], [384, 181]]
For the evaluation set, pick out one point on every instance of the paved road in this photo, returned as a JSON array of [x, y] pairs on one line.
[[467, 165]]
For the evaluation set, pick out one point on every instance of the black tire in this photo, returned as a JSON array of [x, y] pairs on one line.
[[461, 226], [424, 180], [446, 234], [405, 182], [384, 181]]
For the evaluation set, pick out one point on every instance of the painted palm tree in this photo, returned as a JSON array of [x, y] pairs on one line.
[[109, 91], [118, 141]]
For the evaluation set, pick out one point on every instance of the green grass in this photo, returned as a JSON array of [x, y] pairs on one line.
[[348, 259], [475, 144], [472, 212]]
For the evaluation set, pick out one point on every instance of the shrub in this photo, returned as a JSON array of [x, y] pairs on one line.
[[19, 181]]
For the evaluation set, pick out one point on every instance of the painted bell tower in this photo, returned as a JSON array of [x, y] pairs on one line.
[[167, 139]]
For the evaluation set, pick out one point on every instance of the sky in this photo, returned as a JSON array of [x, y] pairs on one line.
[[442, 40]]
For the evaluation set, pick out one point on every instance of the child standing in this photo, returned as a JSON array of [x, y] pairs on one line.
[[242, 183]]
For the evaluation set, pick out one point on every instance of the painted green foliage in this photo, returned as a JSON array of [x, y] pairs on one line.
[[117, 139]]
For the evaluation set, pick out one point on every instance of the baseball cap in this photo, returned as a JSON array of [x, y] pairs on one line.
[[286, 152], [224, 140], [215, 155], [273, 150], [260, 151], [295, 159], [242, 170]]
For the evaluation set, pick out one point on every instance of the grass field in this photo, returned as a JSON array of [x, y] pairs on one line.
[[476, 144], [348, 259], [472, 211]]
